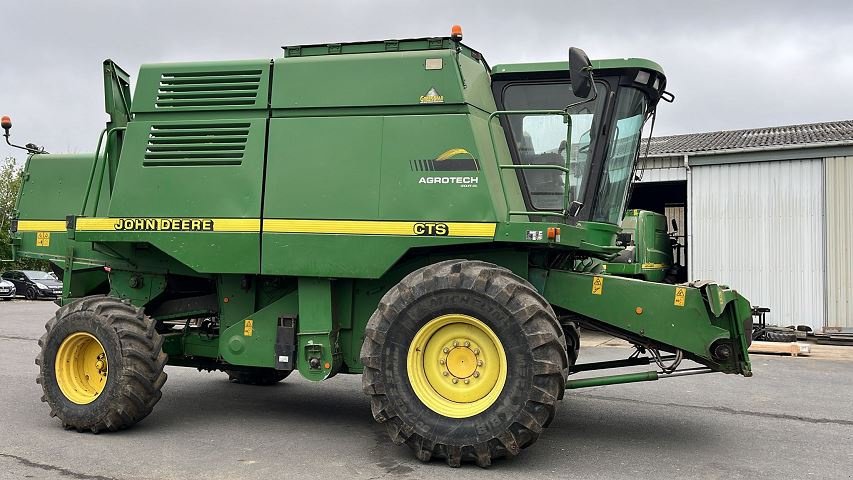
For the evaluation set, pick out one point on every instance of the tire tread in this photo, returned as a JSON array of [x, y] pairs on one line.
[[142, 378]]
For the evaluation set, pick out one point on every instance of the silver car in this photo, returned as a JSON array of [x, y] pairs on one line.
[[7, 289]]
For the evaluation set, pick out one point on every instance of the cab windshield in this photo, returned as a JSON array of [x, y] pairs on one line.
[[622, 150], [541, 139]]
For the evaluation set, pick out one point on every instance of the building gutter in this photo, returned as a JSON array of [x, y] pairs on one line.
[[768, 148]]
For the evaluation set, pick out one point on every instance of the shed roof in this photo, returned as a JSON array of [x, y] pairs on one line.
[[811, 135]]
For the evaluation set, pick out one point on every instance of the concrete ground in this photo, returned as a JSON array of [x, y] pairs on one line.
[[793, 419]]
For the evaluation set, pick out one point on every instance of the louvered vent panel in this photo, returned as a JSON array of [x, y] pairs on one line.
[[196, 145], [234, 88]]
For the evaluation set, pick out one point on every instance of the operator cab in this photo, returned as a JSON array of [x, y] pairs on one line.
[[597, 145]]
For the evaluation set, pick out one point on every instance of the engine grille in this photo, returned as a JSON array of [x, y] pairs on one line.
[[208, 89], [196, 145]]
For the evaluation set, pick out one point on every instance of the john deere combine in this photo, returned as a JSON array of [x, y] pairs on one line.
[[397, 209]]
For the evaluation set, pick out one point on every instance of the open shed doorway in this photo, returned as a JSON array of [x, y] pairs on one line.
[[670, 199]]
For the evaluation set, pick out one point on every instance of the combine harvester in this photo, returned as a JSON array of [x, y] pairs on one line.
[[397, 209]]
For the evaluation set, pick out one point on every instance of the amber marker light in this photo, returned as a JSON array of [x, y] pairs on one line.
[[456, 33], [554, 234]]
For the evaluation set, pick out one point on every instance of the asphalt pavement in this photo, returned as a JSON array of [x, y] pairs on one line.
[[793, 419]]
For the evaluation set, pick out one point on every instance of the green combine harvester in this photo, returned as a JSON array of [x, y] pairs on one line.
[[397, 209]]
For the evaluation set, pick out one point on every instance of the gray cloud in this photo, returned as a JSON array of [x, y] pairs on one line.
[[734, 64]]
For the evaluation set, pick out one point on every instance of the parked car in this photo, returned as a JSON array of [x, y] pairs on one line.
[[7, 290], [34, 284]]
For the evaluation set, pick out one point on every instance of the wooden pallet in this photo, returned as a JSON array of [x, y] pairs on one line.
[[793, 348]]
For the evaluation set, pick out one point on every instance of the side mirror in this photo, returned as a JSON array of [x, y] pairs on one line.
[[580, 72], [674, 225]]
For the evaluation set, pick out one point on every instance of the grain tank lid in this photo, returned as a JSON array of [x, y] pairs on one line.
[[379, 46]]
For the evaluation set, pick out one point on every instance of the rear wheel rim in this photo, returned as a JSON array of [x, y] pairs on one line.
[[456, 365], [81, 368]]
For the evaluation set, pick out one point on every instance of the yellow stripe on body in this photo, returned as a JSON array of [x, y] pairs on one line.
[[41, 226], [375, 227], [94, 224], [251, 225], [236, 225]]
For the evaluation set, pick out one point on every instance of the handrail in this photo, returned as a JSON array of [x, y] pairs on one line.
[[92, 174], [94, 166], [565, 170]]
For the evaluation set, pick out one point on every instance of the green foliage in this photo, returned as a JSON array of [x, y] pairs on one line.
[[10, 183]]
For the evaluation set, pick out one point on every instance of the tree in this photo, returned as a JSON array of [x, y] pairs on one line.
[[10, 183]]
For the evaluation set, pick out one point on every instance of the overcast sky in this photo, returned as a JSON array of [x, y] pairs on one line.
[[733, 64]]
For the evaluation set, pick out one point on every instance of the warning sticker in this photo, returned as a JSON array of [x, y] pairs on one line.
[[248, 328], [43, 239], [597, 285], [680, 293]]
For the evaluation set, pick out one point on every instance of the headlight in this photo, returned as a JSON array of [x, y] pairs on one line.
[[41, 286]]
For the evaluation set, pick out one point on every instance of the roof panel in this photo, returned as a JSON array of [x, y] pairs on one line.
[[813, 134]]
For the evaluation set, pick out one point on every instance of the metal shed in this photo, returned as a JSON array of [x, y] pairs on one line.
[[767, 210]]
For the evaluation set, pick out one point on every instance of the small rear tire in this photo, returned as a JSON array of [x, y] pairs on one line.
[[257, 376], [100, 365]]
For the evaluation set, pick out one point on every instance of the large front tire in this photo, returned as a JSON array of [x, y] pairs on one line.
[[101, 364], [464, 361]]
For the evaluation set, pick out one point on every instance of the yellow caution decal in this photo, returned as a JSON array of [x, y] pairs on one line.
[[248, 328], [43, 239], [597, 285], [680, 294]]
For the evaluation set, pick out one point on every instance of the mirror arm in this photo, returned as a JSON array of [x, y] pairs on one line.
[[585, 100], [30, 148]]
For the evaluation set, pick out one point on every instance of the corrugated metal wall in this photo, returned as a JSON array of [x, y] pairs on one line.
[[839, 231], [759, 228], [661, 169]]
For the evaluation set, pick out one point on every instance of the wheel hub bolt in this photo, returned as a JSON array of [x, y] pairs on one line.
[[466, 381], [476, 374], [467, 343], [455, 343], [455, 380], [444, 373], [479, 363], [476, 351], [441, 362], [445, 350], [99, 365]]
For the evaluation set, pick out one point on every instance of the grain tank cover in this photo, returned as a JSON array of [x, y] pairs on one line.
[[387, 73]]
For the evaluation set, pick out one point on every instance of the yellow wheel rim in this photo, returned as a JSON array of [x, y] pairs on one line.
[[81, 368], [456, 365]]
